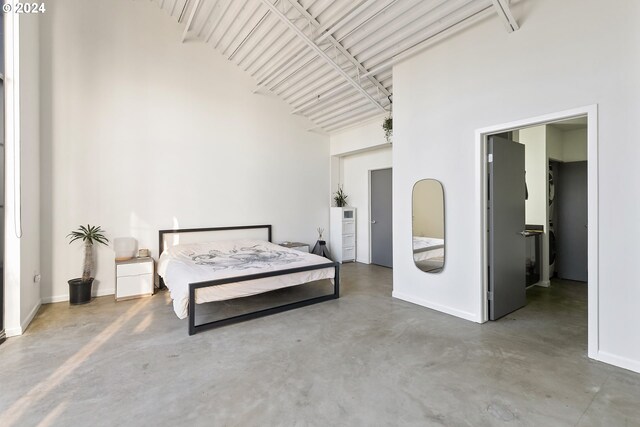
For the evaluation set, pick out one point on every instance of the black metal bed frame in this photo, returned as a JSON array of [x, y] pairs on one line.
[[193, 328]]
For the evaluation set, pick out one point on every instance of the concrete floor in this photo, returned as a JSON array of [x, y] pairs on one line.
[[363, 360]]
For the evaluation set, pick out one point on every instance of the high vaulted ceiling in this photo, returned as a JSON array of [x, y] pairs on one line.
[[330, 60]]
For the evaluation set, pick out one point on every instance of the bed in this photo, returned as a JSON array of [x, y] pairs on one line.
[[205, 265], [428, 253]]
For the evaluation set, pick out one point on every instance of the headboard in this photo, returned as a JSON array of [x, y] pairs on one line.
[[168, 238]]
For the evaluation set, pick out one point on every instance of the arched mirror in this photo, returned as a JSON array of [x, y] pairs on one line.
[[428, 225]]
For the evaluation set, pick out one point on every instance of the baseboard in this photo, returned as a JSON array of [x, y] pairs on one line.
[[32, 314], [56, 298], [441, 308], [14, 332], [65, 297], [621, 362]]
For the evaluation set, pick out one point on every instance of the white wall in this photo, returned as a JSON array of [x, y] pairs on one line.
[[434, 131], [535, 159], [355, 179], [367, 136], [536, 153], [355, 152], [141, 132], [554, 141], [574, 145]]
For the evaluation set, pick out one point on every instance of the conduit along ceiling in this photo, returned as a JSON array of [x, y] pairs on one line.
[[330, 60]]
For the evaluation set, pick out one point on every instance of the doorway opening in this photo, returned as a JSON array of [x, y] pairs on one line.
[[535, 222]]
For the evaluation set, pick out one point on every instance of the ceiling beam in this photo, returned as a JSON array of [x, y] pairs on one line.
[[341, 22], [504, 12], [218, 21], [184, 10], [341, 49], [249, 34], [432, 39], [322, 54], [369, 16], [232, 21], [173, 9], [190, 20]]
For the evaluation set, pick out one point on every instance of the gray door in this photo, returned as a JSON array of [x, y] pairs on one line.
[[571, 226], [381, 218], [507, 249]]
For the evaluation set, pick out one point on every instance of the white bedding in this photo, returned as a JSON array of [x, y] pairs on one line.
[[425, 248], [199, 262]]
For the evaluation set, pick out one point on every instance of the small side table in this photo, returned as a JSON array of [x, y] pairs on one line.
[[302, 247], [134, 278]]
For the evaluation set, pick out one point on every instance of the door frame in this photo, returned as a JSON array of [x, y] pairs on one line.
[[481, 136], [369, 207]]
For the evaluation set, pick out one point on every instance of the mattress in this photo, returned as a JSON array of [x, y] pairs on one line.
[[183, 264], [427, 248]]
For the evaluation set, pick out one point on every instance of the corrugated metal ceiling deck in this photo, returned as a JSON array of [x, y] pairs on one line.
[[330, 60]]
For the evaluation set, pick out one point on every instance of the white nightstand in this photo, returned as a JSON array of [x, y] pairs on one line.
[[134, 278], [302, 247]]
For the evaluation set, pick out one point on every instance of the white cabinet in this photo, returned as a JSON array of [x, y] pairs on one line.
[[134, 278], [343, 234]]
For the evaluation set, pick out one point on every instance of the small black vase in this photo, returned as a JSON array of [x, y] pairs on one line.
[[79, 291]]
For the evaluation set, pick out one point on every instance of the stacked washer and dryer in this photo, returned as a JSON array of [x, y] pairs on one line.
[[552, 219]]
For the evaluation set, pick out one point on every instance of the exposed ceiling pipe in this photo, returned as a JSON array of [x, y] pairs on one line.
[[347, 55], [368, 19], [407, 23], [341, 22], [323, 55], [249, 34], [230, 23], [274, 71], [435, 38], [184, 10], [206, 20], [319, 97], [218, 21], [273, 27], [504, 12], [352, 119], [340, 13]]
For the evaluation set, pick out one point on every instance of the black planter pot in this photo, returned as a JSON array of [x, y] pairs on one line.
[[79, 291]]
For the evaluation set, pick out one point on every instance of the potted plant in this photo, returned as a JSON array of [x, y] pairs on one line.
[[340, 198], [387, 125], [80, 289]]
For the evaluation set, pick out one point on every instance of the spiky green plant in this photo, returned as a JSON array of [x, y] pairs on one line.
[[89, 235], [340, 198]]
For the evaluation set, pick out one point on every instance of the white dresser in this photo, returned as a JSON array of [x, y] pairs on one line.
[[134, 278], [343, 234]]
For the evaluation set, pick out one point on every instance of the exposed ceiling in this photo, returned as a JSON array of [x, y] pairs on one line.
[[330, 60]]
